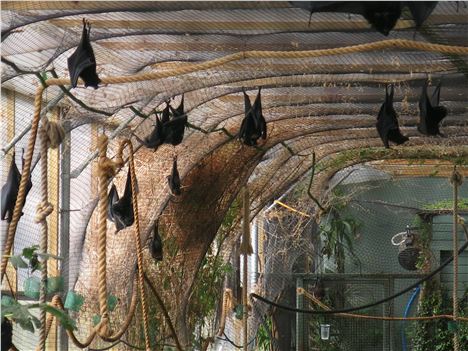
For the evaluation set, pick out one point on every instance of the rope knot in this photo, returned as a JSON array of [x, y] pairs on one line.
[[107, 167], [456, 178], [54, 131], [43, 210]]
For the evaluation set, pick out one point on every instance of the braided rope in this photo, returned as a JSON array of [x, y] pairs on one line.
[[141, 280], [226, 305], [24, 180], [378, 45], [43, 210]]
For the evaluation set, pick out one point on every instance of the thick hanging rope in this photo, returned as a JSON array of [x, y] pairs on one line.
[[378, 45], [225, 307], [23, 183], [456, 180]]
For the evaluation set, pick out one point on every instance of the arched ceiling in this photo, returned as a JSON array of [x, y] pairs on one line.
[[326, 104]]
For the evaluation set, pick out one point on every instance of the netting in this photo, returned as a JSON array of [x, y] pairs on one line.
[[320, 108]]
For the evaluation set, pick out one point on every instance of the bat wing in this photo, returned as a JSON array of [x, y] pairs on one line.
[[387, 123], [112, 198], [174, 179], [421, 10], [261, 123], [174, 130], [382, 15], [165, 114], [10, 191], [82, 63], [156, 245], [123, 209]]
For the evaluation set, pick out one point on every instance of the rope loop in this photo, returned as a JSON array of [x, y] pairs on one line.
[[54, 131], [43, 210]]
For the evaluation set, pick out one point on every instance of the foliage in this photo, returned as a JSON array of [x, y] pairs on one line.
[[263, 336], [424, 243], [29, 258], [20, 314], [447, 204], [434, 335]]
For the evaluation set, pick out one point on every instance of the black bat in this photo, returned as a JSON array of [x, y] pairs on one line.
[[260, 123], [387, 121], [156, 137], [175, 128], [82, 62], [7, 334], [166, 113], [430, 113], [112, 198], [248, 132], [123, 208], [174, 179], [156, 247], [381, 15], [421, 10]]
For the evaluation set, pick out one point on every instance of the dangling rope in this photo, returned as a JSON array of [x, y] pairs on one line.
[[51, 134], [225, 307]]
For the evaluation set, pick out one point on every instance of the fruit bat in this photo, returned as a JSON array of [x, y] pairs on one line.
[[260, 122], [7, 334], [82, 62], [156, 247], [387, 121], [421, 10], [247, 128], [10, 191], [174, 179], [123, 208], [430, 113], [112, 198], [175, 128], [156, 137], [165, 114]]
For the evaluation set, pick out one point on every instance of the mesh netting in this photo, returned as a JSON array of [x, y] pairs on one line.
[[320, 111]]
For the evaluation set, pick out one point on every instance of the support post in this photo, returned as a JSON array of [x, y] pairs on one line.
[[65, 222], [456, 180], [246, 232], [299, 316]]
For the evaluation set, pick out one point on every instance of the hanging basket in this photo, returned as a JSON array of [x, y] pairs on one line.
[[408, 248]]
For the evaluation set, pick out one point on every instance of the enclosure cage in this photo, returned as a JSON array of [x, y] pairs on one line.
[[186, 175]]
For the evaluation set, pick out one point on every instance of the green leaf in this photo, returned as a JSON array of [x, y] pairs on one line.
[[63, 318], [96, 319], [18, 262], [46, 256], [26, 324], [111, 302], [28, 252]]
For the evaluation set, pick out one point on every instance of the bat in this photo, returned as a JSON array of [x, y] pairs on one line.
[[381, 15], [421, 10], [156, 247], [387, 121], [10, 191], [175, 128], [82, 62], [174, 179], [248, 133], [112, 198], [156, 138], [123, 208], [430, 112], [260, 122], [165, 114], [7, 334]]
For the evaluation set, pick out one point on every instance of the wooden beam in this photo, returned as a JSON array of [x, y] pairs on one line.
[[419, 168], [53, 223]]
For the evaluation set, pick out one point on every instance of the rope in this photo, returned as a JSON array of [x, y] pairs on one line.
[[352, 309], [380, 318], [43, 210], [141, 280], [246, 246], [379, 45], [227, 303], [24, 180], [456, 180], [54, 131], [166, 314]]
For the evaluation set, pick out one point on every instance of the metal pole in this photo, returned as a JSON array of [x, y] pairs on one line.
[[456, 181], [65, 223], [299, 316], [246, 228]]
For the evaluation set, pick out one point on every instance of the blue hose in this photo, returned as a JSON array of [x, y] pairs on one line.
[[407, 310]]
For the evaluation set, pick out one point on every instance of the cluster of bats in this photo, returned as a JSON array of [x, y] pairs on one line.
[[381, 15], [430, 116]]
